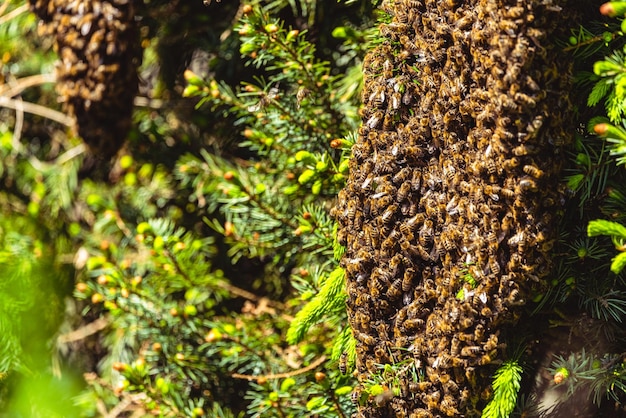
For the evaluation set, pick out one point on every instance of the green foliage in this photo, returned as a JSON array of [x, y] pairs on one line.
[[617, 232], [606, 376], [329, 302], [587, 282], [506, 386], [190, 264]]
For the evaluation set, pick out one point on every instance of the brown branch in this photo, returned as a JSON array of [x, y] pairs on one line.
[[84, 331], [16, 87], [13, 13], [308, 368], [39, 110]]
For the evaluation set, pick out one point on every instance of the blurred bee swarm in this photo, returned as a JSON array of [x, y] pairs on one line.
[[448, 214], [99, 53]]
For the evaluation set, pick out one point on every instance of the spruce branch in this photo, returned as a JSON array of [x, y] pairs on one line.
[[506, 386], [330, 298]]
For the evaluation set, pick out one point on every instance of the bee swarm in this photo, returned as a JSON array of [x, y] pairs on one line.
[[99, 53], [448, 213]]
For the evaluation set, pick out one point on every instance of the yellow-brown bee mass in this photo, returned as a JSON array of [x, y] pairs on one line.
[[99, 52], [447, 215]]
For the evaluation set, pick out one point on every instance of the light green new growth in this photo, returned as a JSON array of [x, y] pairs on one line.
[[617, 232], [331, 297], [612, 85], [506, 385]]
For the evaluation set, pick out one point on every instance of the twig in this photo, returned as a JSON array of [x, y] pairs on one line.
[[124, 403], [19, 124], [18, 86], [310, 367], [84, 331], [13, 13], [38, 110], [237, 291], [71, 153]]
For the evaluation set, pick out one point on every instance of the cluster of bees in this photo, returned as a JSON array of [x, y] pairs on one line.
[[99, 52], [448, 214]]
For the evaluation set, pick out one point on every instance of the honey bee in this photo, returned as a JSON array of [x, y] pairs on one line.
[[403, 191], [533, 171], [527, 184], [491, 343], [365, 338], [479, 332], [401, 176], [363, 319], [448, 406], [426, 232], [301, 94], [525, 99], [387, 69], [455, 345], [375, 119], [413, 324], [381, 202], [465, 322], [437, 326], [395, 100], [265, 100], [431, 400], [357, 396], [448, 241], [421, 413], [388, 123], [388, 214], [415, 153], [383, 398], [464, 337], [487, 358], [416, 387], [532, 84], [470, 351], [395, 290], [343, 363], [512, 299], [494, 266], [407, 279]]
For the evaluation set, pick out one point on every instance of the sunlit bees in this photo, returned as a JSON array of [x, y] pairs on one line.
[[388, 214], [448, 192], [375, 120], [377, 98]]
